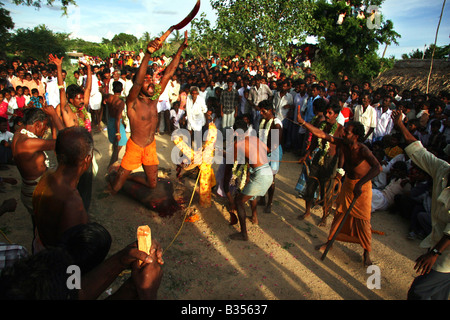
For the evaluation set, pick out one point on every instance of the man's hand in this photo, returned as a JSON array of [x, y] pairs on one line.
[[55, 60], [299, 118], [397, 117], [154, 46], [424, 263], [49, 110], [185, 43]]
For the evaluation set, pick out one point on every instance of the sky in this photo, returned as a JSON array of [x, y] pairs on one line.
[[415, 20]]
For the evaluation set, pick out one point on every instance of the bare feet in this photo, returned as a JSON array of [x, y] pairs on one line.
[[239, 236], [304, 216], [233, 218], [254, 219], [367, 260], [268, 209], [321, 247], [322, 222]]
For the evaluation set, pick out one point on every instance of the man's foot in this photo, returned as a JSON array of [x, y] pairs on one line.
[[322, 222], [304, 216], [233, 218], [322, 247], [239, 236], [262, 201], [268, 209], [367, 260], [254, 220]]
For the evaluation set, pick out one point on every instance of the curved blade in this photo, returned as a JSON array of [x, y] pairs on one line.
[[188, 18]]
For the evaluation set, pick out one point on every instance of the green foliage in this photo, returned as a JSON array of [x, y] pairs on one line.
[[440, 53], [38, 3], [351, 47], [38, 42], [6, 24], [263, 26]]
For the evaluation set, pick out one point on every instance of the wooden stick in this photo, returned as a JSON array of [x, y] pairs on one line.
[[330, 243]]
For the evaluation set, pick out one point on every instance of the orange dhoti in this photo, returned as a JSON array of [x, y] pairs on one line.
[[135, 156], [357, 227]]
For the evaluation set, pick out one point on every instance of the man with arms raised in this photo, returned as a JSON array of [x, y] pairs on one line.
[[361, 167], [142, 111]]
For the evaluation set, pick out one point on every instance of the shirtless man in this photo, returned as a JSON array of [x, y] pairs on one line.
[[116, 127], [142, 111], [361, 167], [57, 202], [29, 148], [260, 175]]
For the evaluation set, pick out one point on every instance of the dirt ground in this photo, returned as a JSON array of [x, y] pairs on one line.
[[278, 263]]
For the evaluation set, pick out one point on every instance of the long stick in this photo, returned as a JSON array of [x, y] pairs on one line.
[[330, 243], [434, 48]]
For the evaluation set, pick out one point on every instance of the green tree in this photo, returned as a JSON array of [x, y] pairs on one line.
[[6, 24], [38, 3], [266, 26], [350, 48], [123, 39], [38, 42]]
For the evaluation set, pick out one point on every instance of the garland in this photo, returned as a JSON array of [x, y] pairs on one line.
[[157, 92], [239, 172], [266, 129], [324, 151]]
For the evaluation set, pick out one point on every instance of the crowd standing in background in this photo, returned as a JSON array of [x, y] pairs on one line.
[[276, 93]]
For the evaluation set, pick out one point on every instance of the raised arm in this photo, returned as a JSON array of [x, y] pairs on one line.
[[88, 88], [153, 46], [170, 70], [62, 92], [397, 118], [316, 131]]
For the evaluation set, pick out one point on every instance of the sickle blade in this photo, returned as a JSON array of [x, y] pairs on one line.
[[189, 17]]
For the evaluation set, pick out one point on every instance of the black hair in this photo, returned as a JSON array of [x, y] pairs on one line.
[[42, 276], [73, 90], [117, 87], [265, 104], [73, 145], [88, 244], [358, 129], [33, 115]]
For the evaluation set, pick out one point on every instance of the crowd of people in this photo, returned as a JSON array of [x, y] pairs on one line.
[[384, 148]]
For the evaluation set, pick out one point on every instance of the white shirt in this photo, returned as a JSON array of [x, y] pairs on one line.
[[279, 103], [196, 113], [368, 118], [177, 116], [384, 123], [6, 136]]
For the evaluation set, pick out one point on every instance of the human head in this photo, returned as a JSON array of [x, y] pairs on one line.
[[88, 244], [75, 95], [332, 112], [74, 148], [117, 87], [266, 109], [354, 131], [42, 276], [36, 120], [3, 124]]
